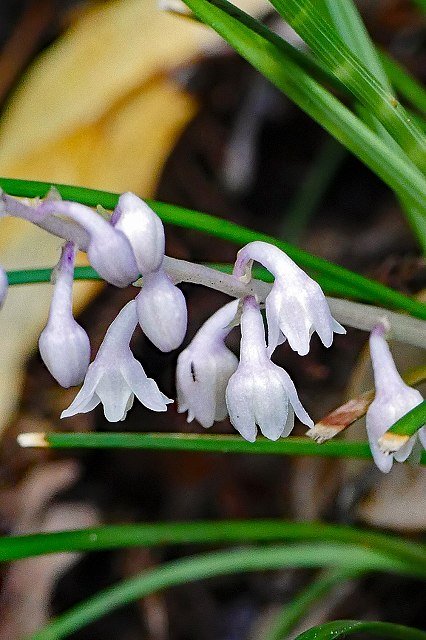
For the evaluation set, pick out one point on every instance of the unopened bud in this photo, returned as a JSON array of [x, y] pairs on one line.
[[143, 229], [161, 309], [64, 345]]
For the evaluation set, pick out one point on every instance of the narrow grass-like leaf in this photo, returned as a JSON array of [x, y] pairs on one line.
[[294, 611], [350, 28], [308, 22], [221, 563], [319, 103], [345, 628], [409, 424], [404, 83], [367, 289], [421, 4], [311, 191], [207, 532], [291, 446], [32, 276], [399, 433]]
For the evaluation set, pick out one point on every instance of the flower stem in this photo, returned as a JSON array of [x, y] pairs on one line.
[[353, 314], [366, 289]]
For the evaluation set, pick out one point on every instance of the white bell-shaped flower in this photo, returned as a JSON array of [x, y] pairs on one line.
[[296, 305], [3, 286], [162, 312], [204, 368], [261, 394], [143, 229], [115, 376], [109, 250], [393, 400], [64, 345]]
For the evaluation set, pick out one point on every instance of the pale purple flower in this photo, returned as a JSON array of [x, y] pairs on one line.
[[204, 368], [3, 286], [64, 345], [143, 229], [109, 250], [115, 376], [393, 400], [161, 309], [261, 394], [296, 305]]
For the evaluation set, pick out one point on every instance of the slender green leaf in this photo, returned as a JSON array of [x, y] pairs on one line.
[[421, 4], [312, 189], [350, 28], [294, 611], [404, 83], [367, 289], [409, 424], [344, 628], [207, 532], [291, 446], [308, 22], [220, 563], [319, 103], [32, 276]]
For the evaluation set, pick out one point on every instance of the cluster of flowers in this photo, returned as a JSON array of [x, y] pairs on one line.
[[211, 382]]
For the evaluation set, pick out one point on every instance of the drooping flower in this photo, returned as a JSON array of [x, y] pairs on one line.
[[109, 250], [393, 400], [143, 229], [204, 368], [261, 394], [64, 345], [3, 286], [296, 305], [115, 376], [161, 309]]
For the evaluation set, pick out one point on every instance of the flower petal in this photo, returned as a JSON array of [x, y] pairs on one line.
[[144, 388], [270, 405], [291, 392], [82, 407], [86, 393], [114, 393], [239, 398]]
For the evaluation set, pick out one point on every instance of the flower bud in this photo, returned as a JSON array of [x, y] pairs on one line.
[[109, 251], [161, 309], [143, 229], [64, 345]]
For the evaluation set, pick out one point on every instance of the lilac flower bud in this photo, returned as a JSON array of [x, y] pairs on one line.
[[115, 376], [3, 286], [162, 313], [296, 305], [143, 229], [261, 394], [393, 400], [109, 251], [204, 368], [64, 345]]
